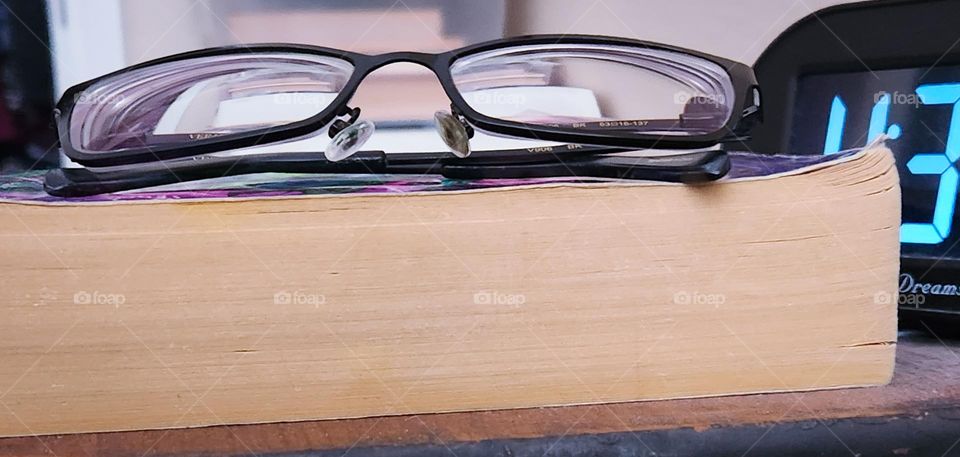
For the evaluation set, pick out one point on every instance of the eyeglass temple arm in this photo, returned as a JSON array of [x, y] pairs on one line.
[[557, 161], [77, 182], [648, 126]]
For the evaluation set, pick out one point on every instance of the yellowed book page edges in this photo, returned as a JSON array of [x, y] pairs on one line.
[[164, 314]]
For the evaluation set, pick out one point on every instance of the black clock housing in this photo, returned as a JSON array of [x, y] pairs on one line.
[[841, 77]]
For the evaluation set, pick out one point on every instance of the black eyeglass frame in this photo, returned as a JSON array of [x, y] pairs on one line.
[[744, 82]]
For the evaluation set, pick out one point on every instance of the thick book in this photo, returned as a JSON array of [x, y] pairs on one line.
[[287, 298]]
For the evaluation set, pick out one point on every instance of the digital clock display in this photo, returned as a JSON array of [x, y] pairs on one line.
[[919, 109]]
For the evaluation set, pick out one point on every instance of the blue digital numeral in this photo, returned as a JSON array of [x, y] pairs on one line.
[[878, 118], [878, 123], [942, 164], [838, 119]]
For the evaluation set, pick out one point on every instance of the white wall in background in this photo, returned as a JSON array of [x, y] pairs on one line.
[[735, 29], [93, 37], [86, 37], [158, 28]]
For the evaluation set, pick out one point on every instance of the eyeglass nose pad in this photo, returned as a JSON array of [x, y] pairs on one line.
[[453, 132], [349, 141]]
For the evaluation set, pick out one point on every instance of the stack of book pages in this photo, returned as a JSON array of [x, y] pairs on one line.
[[286, 298]]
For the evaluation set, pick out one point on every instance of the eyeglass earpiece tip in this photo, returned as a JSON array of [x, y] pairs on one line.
[[453, 133], [349, 141]]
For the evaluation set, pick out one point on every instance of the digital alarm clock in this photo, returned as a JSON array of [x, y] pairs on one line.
[[842, 77]]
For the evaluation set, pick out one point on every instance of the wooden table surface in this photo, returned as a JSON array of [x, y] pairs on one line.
[[917, 414]]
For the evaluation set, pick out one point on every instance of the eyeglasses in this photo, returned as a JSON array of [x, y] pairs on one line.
[[185, 117]]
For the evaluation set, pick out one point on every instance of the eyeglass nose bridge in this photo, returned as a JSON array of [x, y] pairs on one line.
[[420, 58], [452, 127], [365, 64]]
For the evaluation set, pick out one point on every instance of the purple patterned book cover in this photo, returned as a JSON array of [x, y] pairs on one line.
[[28, 187]]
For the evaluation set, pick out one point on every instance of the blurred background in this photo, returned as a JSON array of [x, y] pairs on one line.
[[47, 46]]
